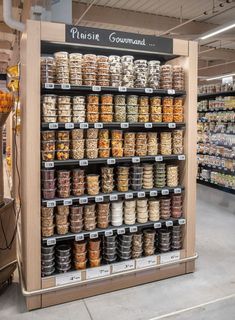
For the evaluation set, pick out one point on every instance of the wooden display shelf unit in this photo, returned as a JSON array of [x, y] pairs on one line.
[[45, 37]]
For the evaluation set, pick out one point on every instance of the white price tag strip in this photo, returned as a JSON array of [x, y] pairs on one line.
[[83, 163], [141, 194], [53, 125], [79, 237], [71, 277], [108, 233], [51, 242], [65, 86], [177, 190], [121, 231], [68, 202], [69, 125], [49, 164], [113, 197], [98, 125], [148, 90], [124, 125], [146, 262], [128, 195], [83, 200], [169, 223], [51, 204], [96, 88], [157, 225], [169, 257], [181, 157], [182, 221], [49, 85], [98, 272], [123, 266], [148, 125], [99, 199], [111, 161], [159, 158], [122, 89], [93, 235], [135, 159], [171, 125], [133, 229], [165, 192], [84, 125], [153, 193], [170, 91]]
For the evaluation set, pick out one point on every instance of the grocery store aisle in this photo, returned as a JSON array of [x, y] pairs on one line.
[[214, 279]]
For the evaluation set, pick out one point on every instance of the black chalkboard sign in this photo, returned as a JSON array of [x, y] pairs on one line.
[[118, 39]]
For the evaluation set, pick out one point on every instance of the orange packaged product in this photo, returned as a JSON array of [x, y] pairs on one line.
[[178, 117], [93, 98], [178, 109], [167, 117], [179, 102], [167, 101], [167, 109], [92, 108]]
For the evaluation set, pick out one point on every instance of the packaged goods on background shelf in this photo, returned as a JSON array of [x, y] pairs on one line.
[[214, 161], [218, 178], [217, 104], [85, 254], [113, 70], [216, 127], [214, 88]]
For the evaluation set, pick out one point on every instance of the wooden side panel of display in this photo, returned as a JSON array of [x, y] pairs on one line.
[[52, 31], [30, 161], [180, 47]]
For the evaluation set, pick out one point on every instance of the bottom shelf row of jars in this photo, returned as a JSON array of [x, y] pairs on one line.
[[84, 254]]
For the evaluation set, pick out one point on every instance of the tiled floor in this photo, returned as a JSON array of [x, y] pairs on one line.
[[214, 279]]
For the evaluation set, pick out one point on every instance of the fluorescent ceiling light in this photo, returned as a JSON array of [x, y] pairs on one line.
[[222, 76], [218, 30]]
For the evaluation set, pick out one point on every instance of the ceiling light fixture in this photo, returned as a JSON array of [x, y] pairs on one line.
[[221, 76], [218, 30]]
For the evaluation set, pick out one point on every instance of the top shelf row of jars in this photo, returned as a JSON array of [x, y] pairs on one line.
[[115, 71]]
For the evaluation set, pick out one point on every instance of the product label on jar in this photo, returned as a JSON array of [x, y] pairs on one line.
[[124, 125], [141, 194], [121, 231], [129, 195], [169, 256], [113, 197], [51, 204], [98, 125], [83, 163], [153, 193], [171, 125], [53, 125], [84, 125], [135, 159], [170, 91], [51, 241], [96, 88], [146, 262], [93, 235], [65, 86], [83, 200], [111, 161], [148, 90], [177, 190], [122, 89], [49, 85], [159, 158], [69, 125], [79, 237], [182, 221], [68, 202], [181, 157], [157, 225], [165, 192], [148, 125], [71, 277], [49, 164], [98, 272], [169, 223], [108, 233], [133, 229], [123, 266], [99, 199]]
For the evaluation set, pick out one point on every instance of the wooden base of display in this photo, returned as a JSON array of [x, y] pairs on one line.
[[108, 285]]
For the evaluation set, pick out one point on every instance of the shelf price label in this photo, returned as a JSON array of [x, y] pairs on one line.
[[71, 277], [146, 262], [96, 88], [84, 125], [169, 223], [141, 194], [165, 192], [123, 266], [68, 202], [99, 199], [53, 125], [159, 158], [83, 163], [69, 125], [113, 197], [49, 164], [124, 125], [51, 241], [128, 195], [177, 190], [93, 235], [98, 125], [83, 200], [99, 272], [157, 225], [169, 257], [121, 231], [79, 237], [49, 86], [153, 193], [65, 86], [108, 233], [170, 91], [181, 157], [171, 125], [133, 229], [136, 160], [111, 161], [148, 90], [148, 125], [182, 221], [51, 204], [122, 89]]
